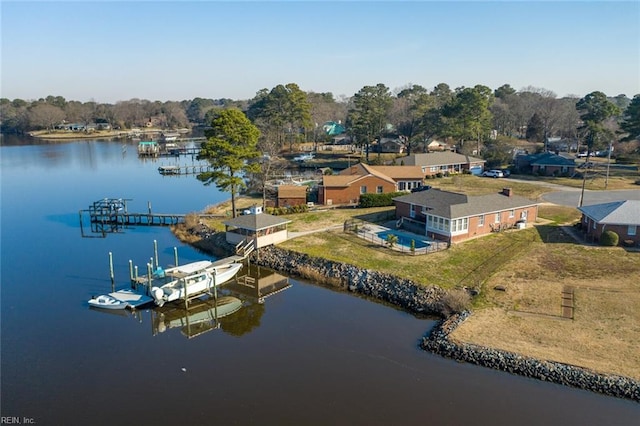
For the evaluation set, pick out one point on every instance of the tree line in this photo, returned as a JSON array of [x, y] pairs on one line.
[[477, 118]]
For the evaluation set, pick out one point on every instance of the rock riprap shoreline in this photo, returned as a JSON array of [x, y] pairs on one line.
[[438, 342], [430, 300]]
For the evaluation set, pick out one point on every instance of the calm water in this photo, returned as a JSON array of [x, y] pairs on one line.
[[308, 355]]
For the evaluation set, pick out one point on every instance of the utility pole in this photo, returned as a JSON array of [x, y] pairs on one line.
[[606, 181], [584, 177]]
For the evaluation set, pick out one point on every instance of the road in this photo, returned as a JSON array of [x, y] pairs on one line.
[[569, 196]]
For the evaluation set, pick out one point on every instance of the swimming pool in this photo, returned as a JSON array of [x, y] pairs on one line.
[[404, 239]]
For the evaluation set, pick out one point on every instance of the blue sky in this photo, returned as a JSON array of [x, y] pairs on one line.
[[176, 50]]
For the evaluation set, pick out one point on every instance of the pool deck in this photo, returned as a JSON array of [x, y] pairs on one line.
[[370, 231]]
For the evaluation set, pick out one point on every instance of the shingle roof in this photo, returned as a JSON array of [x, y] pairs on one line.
[[625, 212], [339, 180], [400, 172], [452, 205], [549, 159], [437, 159], [256, 222], [292, 191]]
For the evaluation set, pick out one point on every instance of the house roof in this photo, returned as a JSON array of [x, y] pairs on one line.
[[549, 159], [339, 180], [256, 222], [358, 171], [292, 191], [437, 159], [400, 172], [361, 170], [452, 205], [625, 212]]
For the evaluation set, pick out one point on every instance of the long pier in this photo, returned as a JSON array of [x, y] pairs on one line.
[[110, 215]]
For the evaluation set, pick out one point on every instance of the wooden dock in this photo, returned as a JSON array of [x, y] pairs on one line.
[[183, 170], [110, 215]]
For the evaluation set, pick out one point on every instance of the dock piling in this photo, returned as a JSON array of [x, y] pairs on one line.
[[149, 278], [155, 252], [175, 256], [113, 283]]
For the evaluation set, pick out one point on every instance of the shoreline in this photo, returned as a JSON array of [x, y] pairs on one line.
[[431, 300]]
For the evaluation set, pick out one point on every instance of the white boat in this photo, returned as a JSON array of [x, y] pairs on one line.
[[169, 170], [107, 302], [190, 280], [302, 158]]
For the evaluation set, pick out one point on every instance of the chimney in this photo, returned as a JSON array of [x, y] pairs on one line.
[[507, 191]]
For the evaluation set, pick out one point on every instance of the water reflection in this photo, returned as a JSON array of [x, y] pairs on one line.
[[203, 315], [237, 310]]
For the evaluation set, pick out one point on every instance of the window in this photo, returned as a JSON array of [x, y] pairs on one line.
[[512, 213], [458, 225], [481, 220], [631, 230], [523, 214], [363, 189], [401, 186], [497, 219], [434, 169], [412, 210], [594, 224], [379, 189]]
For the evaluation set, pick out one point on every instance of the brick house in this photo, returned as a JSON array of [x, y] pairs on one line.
[[546, 164], [291, 195], [621, 217], [347, 186], [454, 217], [443, 162]]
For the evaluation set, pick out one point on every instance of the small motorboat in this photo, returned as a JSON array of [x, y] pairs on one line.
[[107, 302]]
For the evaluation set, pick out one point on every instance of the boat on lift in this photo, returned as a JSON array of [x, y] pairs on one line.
[[190, 280]]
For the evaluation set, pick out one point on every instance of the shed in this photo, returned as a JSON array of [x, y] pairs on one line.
[[291, 195]]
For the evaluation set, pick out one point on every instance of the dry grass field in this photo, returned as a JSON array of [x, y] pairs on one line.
[[526, 317]]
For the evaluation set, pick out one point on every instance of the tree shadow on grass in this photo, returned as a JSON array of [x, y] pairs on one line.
[[555, 234]]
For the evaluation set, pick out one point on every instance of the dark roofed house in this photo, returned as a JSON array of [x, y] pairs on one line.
[[621, 217], [546, 164], [264, 229], [455, 217]]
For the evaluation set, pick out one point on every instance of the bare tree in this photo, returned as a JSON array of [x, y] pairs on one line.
[[46, 116]]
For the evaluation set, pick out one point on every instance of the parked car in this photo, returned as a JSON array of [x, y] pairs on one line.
[[493, 173], [506, 172]]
